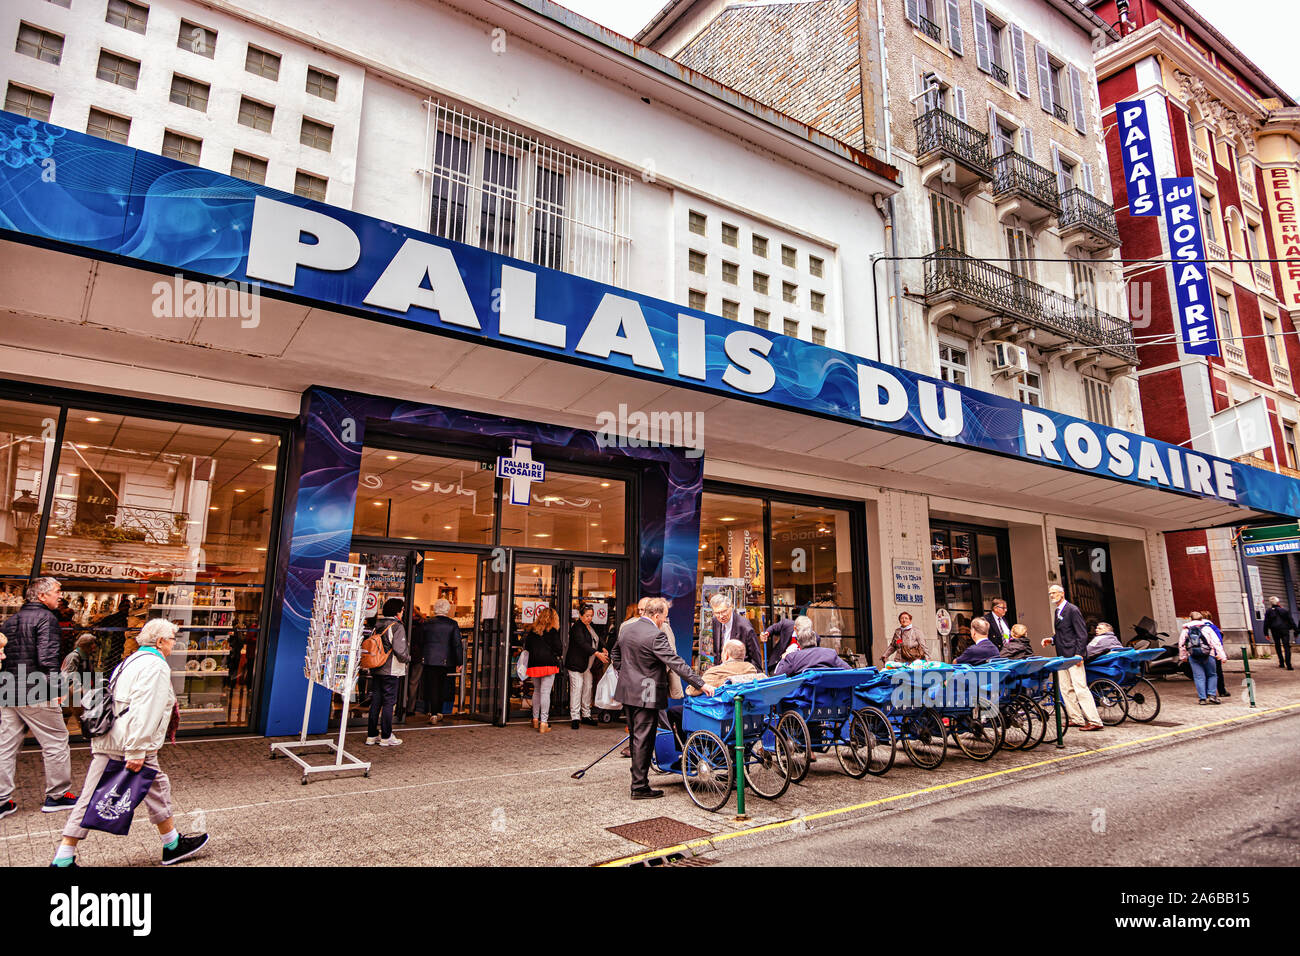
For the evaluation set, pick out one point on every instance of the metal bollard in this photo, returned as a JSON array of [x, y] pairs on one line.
[[740, 761], [1250, 684], [1056, 705]]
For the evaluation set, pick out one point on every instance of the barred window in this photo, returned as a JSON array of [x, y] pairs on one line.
[[118, 70], [184, 148], [316, 134], [190, 93], [309, 186], [762, 319], [29, 103], [262, 62], [127, 15], [255, 114], [197, 39], [41, 44], [248, 167], [697, 300], [322, 84], [107, 126]]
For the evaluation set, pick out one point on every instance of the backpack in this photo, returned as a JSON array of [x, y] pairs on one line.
[[99, 712], [1196, 643], [375, 650]]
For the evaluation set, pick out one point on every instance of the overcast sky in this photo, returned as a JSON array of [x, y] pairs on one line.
[[1266, 31]]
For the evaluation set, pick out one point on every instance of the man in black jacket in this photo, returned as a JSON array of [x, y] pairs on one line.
[[1279, 624], [730, 626], [643, 657], [1071, 640], [778, 638], [999, 626], [33, 648]]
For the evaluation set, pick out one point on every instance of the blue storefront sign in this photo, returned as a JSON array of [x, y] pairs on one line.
[[109, 200], [1284, 546], [1193, 296], [1139, 165]]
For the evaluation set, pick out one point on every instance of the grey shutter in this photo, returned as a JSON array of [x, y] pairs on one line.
[[1076, 94], [1027, 142], [1087, 179], [913, 12], [954, 26], [959, 97], [995, 138], [982, 58], [1019, 60], [1060, 173], [1044, 77]]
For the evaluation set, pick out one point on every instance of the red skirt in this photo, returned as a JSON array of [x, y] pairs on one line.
[[536, 672]]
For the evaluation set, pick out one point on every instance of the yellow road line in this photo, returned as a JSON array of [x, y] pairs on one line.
[[783, 824]]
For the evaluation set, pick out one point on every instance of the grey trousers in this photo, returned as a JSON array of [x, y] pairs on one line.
[[47, 726], [157, 802]]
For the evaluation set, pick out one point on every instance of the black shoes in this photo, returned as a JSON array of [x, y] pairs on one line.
[[646, 794], [591, 721], [7, 808], [575, 724], [55, 804], [185, 848]]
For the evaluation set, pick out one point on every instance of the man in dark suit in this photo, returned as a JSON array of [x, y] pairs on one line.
[[999, 626], [643, 657], [983, 650], [1071, 639], [1279, 624], [730, 626], [778, 638]]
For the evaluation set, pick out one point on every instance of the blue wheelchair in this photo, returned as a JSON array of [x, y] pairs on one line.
[[822, 715], [1119, 687], [901, 699]]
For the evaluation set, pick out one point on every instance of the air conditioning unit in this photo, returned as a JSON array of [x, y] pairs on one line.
[[1010, 358]]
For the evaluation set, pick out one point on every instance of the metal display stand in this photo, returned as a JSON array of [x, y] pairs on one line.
[[333, 650]]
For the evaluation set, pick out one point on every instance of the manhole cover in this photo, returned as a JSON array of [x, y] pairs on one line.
[[658, 832]]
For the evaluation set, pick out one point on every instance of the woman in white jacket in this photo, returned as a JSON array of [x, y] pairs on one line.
[[144, 703]]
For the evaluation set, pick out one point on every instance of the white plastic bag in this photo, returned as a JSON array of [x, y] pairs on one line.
[[522, 667], [605, 691]]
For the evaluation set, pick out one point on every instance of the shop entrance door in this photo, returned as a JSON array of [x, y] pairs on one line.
[[567, 585], [1088, 581]]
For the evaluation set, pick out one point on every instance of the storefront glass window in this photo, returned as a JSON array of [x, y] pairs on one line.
[[424, 497], [27, 434], [161, 519], [812, 567], [971, 567], [732, 545], [568, 512]]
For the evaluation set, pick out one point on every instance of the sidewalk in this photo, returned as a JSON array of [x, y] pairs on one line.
[[480, 795]]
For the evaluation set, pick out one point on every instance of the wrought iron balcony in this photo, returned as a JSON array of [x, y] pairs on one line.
[[1020, 178], [1060, 112], [999, 74], [1087, 217], [941, 136], [990, 291], [930, 29], [127, 524]]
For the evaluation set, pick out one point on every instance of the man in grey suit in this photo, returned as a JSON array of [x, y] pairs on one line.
[[643, 657]]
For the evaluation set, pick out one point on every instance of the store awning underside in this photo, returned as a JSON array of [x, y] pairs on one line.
[[71, 312]]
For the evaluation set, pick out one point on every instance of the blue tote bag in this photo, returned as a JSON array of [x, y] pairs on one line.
[[118, 793]]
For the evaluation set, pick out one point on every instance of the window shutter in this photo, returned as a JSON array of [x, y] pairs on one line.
[[995, 139], [1027, 142], [982, 58], [1076, 94], [1087, 179], [954, 26], [1019, 60], [913, 12], [1044, 77], [959, 97], [1060, 173]]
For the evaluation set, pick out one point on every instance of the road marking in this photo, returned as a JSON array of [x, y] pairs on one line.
[[824, 814]]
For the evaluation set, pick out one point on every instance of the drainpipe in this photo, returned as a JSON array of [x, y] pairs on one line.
[[886, 206]]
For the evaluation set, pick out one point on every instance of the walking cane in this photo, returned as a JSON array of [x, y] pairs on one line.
[[579, 774]]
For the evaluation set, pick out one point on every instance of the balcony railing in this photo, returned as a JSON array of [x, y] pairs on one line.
[[1234, 354], [127, 524], [952, 273], [1264, 278], [1217, 255], [1281, 375], [939, 131], [1082, 209], [1013, 173], [1060, 112], [930, 29], [999, 74], [1200, 157], [1247, 188]]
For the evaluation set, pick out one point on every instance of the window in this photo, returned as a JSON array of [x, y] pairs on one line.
[[425, 497], [789, 257], [1224, 302], [1029, 389], [197, 39], [309, 186], [29, 103], [129, 16], [818, 336], [1084, 280], [1208, 217], [1058, 99], [730, 273], [1288, 436], [1270, 336], [789, 292], [38, 43], [118, 70], [1096, 395], [791, 327], [316, 134], [248, 167], [762, 319], [1066, 177], [255, 114], [568, 512], [29, 444], [1004, 139], [184, 148], [816, 267], [730, 235], [262, 62], [698, 262], [322, 84], [190, 93], [698, 222], [818, 301], [61, 3], [1253, 240], [954, 365], [759, 245], [996, 31], [698, 300], [760, 283], [1020, 252], [930, 18], [107, 126], [730, 309], [936, 93], [948, 221]]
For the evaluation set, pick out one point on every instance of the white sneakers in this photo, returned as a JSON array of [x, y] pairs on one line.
[[371, 741], [391, 742]]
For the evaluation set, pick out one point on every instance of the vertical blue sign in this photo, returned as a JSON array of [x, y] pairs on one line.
[[1195, 298], [1139, 166]]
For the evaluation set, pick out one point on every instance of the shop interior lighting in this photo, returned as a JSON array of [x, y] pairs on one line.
[[92, 418]]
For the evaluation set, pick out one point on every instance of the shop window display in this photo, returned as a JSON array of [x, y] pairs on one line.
[[568, 512], [425, 497], [27, 446]]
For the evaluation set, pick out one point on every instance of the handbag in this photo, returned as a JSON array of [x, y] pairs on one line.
[[522, 667], [116, 797]]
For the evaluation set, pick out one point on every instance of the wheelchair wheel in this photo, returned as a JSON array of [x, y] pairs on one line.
[[1112, 704], [884, 741], [854, 754], [706, 770], [1143, 701], [1017, 724], [924, 739], [1038, 719], [978, 737], [768, 767], [795, 729]]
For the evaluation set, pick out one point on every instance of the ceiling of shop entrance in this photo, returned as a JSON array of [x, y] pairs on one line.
[[68, 314]]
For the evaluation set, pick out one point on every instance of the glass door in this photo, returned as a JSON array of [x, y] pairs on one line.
[[535, 586], [1088, 582], [487, 653], [388, 573]]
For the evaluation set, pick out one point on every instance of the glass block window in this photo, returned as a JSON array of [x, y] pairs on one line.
[[791, 327], [197, 39], [255, 114], [107, 126], [316, 134], [40, 44], [309, 186], [759, 245], [818, 301], [698, 300], [730, 273], [29, 103], [118, 70], [184, 148], [760, 283], [818, 336], [816, 267], [322, 84], [698, 222], [789, 292], [248, 167], [698, 262], [730, 235], [262, 62], [127, 15], [730, 310], [762, 319], [190, 93], [789, 257]]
